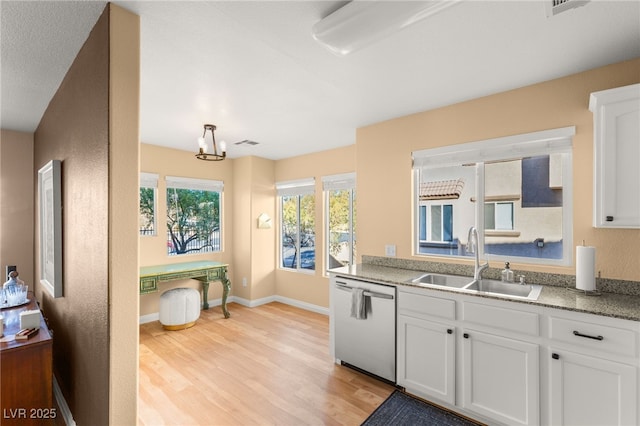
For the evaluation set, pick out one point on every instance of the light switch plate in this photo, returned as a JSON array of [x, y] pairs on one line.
[[390, 250]]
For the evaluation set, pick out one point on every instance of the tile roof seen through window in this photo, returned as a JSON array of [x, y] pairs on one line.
[[441, 189]]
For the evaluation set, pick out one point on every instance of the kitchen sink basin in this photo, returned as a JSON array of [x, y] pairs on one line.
[[519, 291], [483, 286], [442, 280]]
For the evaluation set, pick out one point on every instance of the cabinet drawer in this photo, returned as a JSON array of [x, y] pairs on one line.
[[594, 336], [418, 304], [148, 285], [506, 319], [215, 274]]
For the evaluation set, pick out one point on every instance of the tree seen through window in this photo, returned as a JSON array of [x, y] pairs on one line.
[[193, 221]]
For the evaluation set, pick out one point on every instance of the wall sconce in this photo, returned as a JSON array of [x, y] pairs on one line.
[[264, 221], [203, 153]]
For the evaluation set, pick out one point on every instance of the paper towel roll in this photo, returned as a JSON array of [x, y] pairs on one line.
[[586, 268]]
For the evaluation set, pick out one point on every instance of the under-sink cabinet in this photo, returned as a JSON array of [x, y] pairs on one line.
[[504, 362], [500, 378], [466, 358]]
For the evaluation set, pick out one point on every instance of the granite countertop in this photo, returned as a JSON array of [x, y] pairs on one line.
[[607, 304]]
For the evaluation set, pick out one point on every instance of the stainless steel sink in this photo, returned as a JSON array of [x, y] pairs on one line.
[[513, 290], [483, 286], [442, 280]]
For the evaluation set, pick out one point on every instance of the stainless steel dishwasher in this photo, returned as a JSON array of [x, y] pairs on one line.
[[370, 343]]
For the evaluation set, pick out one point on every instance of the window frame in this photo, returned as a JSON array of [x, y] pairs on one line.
[[295, 188], [195, 184], [340, 182], [495, 205], [546, 142], [428, 223], [150, 181]]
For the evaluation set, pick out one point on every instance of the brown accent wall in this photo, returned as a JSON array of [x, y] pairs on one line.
[[75, 130]]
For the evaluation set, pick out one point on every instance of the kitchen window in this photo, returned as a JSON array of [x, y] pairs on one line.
[[517, 191], [340, 198], [297, 224], [194, 209], [148, 190]]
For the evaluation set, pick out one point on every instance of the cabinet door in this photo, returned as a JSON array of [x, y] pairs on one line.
[[426, 358], [616, 157], [591, 391], [501, 378]]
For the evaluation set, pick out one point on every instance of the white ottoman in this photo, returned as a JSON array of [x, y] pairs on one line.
[[179, 308]]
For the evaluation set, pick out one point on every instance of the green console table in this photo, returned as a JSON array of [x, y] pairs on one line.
[[204, 271]]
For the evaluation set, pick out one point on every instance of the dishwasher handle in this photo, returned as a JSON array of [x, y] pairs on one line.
[[343, 286]]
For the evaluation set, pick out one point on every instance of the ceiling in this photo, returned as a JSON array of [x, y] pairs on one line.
[[253, 69]]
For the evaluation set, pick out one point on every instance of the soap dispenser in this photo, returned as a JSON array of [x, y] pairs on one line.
[[507, 273]]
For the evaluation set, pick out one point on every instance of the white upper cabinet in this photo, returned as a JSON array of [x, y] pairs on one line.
[[616, 120]]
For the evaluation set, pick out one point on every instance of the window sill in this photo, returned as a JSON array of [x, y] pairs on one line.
[[499, 233]]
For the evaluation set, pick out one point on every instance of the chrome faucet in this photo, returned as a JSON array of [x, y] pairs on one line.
[[472, 247]]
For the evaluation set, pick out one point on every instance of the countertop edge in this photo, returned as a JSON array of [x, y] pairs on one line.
[[611, 305]]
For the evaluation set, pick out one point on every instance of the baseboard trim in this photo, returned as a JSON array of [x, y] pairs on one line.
[[303, 305], [65, 412], [286, 300], [149, 318], [252, 304]]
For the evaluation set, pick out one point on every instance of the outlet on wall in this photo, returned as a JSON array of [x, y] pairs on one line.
[[390, 250], [244, 282]]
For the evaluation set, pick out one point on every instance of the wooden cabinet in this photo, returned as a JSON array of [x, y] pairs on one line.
[[26, 373], [616, 121], [501, 378]]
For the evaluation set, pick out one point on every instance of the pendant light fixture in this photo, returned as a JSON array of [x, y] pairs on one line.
[[203, 153]]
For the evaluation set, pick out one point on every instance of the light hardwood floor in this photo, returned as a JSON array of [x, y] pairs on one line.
[[268, 365]]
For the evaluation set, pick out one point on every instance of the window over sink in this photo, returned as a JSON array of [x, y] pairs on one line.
[[516, 190]]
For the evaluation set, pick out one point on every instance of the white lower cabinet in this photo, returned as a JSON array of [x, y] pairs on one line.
[[585, 391], [426, 359], [483, 374], [593, 370], [501, 378], [508, 363]]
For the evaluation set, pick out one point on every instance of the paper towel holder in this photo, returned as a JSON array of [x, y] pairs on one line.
[[587, 292]]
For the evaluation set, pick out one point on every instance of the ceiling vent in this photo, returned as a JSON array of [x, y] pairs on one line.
[[247, 142], [558, 6]]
